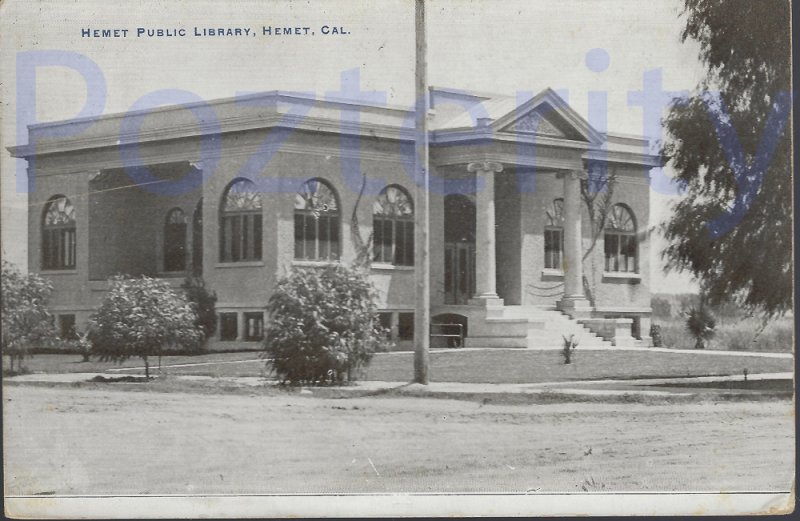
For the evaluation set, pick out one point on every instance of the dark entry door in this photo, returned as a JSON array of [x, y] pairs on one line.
[[459, 272], [459, 249]]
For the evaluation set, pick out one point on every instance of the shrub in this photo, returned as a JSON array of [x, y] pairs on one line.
[[323, 327], [25, 319], [655, 335], [142, 317], [700, 324], [80, 346], [204, 302], [569, 346]]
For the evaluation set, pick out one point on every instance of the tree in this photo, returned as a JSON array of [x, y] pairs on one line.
[[730, 148], [25, 319], [700, 323], [323, 325], [142, 317], [597, 193], [204, 302], [363, 247]]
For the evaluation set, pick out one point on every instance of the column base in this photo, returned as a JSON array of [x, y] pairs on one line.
[[575, 307]]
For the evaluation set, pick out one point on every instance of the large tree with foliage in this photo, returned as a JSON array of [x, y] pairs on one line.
[[26, 322], [730, 147], [143, 317]]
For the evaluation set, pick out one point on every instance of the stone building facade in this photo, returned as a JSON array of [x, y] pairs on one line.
[[240, 191]]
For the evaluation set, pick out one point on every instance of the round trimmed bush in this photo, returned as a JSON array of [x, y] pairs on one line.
[[323, 327]]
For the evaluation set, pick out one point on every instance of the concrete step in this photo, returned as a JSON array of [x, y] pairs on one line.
[[532, 327]]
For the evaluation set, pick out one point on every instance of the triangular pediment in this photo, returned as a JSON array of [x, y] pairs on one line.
[[535, 122], [547, 114]]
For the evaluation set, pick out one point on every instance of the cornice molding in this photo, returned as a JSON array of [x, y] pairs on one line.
[[225, 126]]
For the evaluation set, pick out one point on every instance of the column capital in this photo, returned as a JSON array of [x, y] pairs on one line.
[[572, 174], [485, 167]]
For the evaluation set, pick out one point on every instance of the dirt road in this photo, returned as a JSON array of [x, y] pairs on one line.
[[80, 441]]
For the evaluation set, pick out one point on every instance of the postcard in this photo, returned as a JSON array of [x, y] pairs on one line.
[[270, 258]]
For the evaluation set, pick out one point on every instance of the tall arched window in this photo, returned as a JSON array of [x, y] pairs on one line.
[[316, 222], [621, 248], [554, 235], [240, 223], [58, 234], [175, 241], [393, 227]]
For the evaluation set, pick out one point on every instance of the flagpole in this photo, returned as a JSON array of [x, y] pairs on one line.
[[422, 316]]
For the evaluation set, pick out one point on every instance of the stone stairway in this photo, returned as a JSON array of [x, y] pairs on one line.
[[532, 327]]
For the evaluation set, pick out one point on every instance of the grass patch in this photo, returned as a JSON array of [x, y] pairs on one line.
[[529, 366], [734, 334], [480, 366], [61, 363]]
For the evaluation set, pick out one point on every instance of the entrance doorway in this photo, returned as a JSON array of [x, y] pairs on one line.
[[459, 249]]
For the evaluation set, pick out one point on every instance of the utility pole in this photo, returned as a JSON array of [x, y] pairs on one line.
[[422, 316]]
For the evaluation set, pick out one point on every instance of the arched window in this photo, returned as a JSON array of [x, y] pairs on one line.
[[620, 240], [240, 223], [316, 222], [58, 234], [175, 241], [554, 235], [393, 227]]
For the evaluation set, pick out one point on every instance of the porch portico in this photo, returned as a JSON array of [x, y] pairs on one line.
[[573, 301]]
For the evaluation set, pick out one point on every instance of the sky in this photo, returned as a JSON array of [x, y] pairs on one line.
[[578, 47]]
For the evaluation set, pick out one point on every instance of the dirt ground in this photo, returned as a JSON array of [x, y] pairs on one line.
[[89, 441]]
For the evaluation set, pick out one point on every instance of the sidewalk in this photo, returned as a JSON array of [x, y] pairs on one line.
[[606, 387]]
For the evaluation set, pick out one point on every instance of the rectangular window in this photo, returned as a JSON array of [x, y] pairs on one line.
[[405, 326], [254, 326], [378, 240], [324, 225], [611, 249], [236, 236], [66, 327], [228, 326], [58, 249], [620, 252], [299, 233], [553, 249], [628, 248], [257, 237], [404, 252], [310, 237], [333, 222], [240, 238], [247, 240]]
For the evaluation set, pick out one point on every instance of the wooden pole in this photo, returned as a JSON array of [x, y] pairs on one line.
[[422, 316]]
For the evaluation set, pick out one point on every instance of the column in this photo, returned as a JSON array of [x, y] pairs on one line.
[[574, 302], [485, 262]]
